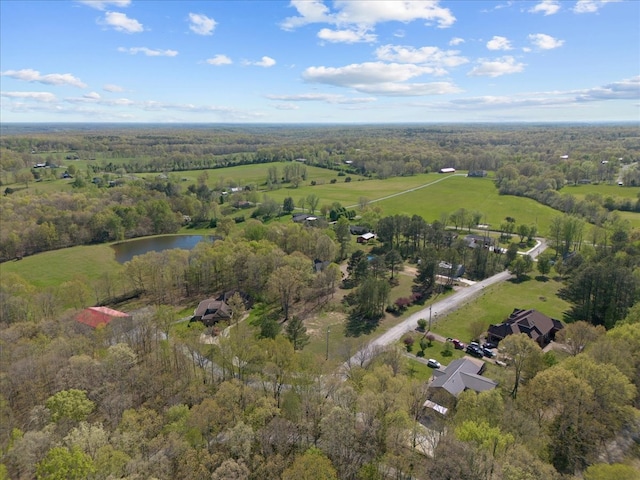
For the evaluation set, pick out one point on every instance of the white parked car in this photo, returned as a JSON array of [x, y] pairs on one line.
[[433, 363]]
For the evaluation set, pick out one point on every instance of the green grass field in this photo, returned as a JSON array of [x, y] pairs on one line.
[[51, 269], [603, 189]]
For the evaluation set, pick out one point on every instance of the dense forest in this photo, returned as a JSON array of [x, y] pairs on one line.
[[154, 401]]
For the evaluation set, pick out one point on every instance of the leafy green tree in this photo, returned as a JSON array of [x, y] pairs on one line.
[[614, 471], [288, 205], [312, 201], [522, 265], [358, 267], [296, 332], [544, 264], [393, 260], [60, 463], [343, 236], [71, 404], [312, 465], [578, 335], [525, 358]]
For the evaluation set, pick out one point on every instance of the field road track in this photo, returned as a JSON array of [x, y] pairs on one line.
[[411, 189]]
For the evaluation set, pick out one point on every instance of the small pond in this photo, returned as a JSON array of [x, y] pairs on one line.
[[125, 251]]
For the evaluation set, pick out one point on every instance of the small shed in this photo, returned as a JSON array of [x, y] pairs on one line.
[[447, 170], [365, 237]]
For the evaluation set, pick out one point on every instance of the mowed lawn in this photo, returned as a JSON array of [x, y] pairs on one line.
[[497, 302], [51, 269]]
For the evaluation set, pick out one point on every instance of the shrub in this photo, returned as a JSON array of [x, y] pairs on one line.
[[422, 324], [408, 342], [333, 180], [447, 351], [402, 303], [347, 180]]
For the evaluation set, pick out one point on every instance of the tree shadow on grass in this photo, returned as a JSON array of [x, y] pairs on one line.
[[357, 325], [542, 278]]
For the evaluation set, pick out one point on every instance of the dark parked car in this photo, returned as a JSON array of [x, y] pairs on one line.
[[488, 352], [457, 344], [489, 345], [474, 351]]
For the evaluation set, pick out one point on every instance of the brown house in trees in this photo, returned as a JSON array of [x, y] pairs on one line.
[[211, 311], [538, 326]]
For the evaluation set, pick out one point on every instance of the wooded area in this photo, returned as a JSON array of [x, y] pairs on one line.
[[156, 401]]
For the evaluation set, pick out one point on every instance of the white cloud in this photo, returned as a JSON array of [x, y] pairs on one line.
[[499, 43], [456, 41], [591, 6], [201, 24], [545, 42], [29, 75], [379, 78], [310, 11], [546, 7], [410, 89], [265, 62], [286, 106], [346, 36], [497, 67], [120, 22], [219, 59], [92, 96], [322, 97], [368, 14], [627, 89], [424, 55], [37, 96], [104, 4], [148, 52], [110, 87]]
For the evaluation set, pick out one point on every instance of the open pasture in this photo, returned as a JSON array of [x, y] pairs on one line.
[[51, 269], [603, 189]]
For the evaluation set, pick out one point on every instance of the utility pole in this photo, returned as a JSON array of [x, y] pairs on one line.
[[328, 332], [429, 318]]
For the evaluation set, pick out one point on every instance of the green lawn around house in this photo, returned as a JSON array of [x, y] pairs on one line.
[[497, 302]]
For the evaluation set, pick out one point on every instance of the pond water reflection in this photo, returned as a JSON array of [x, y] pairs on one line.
[[125, 251]]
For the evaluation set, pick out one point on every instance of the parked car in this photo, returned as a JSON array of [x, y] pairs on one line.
[[457, 344], [488, 352], [489, 345], [475, 351], [433, 363]]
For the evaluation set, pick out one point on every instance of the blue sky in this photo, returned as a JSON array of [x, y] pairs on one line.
[[317, 61]]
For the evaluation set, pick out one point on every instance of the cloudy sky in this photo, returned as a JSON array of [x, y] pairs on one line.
[[317, 61]]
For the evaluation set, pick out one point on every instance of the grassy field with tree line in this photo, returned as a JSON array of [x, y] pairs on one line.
[[264, 400]]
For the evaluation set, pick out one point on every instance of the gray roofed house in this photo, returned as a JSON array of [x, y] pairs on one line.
[[460, 375]]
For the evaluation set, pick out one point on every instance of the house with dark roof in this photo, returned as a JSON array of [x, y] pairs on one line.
[[536, 325], [449, 382], [211, 311]]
